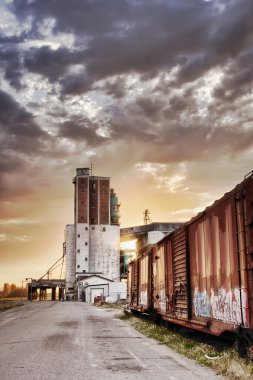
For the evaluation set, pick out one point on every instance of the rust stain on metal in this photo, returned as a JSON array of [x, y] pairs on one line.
[[201, 275]]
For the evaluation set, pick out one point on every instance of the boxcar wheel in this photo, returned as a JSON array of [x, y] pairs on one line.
[[156, 318], [242, 347]]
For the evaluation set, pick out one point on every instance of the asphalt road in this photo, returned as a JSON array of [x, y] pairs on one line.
[[67, 340]]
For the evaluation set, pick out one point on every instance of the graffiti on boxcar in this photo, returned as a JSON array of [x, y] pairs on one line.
[[162, 300], [201, 303], [223, 305], [143, 300]]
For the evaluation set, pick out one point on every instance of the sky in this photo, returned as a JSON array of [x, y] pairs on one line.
[[156, 94]]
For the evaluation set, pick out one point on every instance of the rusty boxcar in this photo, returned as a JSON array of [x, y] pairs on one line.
[[201, 275]]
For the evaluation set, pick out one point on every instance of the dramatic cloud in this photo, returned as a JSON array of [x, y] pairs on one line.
[[156, 93]]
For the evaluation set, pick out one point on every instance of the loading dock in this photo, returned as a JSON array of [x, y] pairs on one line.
[[37, 290]]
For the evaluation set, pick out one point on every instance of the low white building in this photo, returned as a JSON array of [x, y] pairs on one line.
[[94, 287]]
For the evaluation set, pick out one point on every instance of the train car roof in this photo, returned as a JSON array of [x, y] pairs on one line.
[[227, 195]]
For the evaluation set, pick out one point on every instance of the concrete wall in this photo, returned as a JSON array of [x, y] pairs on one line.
[[105, 251], [82, 247], [155, 236], [70, 237], [118, 290]]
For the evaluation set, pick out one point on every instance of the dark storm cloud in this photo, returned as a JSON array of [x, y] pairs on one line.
[[22, 140], [81, 130], [48, 62], [9, 164], [130, 127], [145, 37], [15, 120], [147, 47], [19, 134], [115, 38], [238, 79], [177, 144], [78, 16], [150, 107], [11, 111], [127, 36], [13, 75], [192, 138], [232, 32], [75, 84], [9, 40], [10, 59], [115, 87], [54, 65], [177, 104]]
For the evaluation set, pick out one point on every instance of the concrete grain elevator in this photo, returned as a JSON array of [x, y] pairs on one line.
[[92, 242]]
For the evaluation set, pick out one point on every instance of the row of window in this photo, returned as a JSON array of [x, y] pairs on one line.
[[93, 205], [93, 228], [79, 249], [78, 266], [102, 189], [83, 187], [104, 215]]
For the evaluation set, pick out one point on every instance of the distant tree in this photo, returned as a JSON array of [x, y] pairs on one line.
[[13, 291], [6, 290], [13, 287]]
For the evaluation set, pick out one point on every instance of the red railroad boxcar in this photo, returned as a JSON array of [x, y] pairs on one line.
[[201, 275]]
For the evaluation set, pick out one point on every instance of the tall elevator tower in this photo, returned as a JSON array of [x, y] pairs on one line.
[[92, 243]]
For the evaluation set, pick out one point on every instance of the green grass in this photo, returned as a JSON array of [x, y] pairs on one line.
[[112, 306], [12, 298], [224, 361]]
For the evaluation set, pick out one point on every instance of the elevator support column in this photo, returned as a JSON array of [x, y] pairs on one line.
[[53, 294], [61, 294]]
